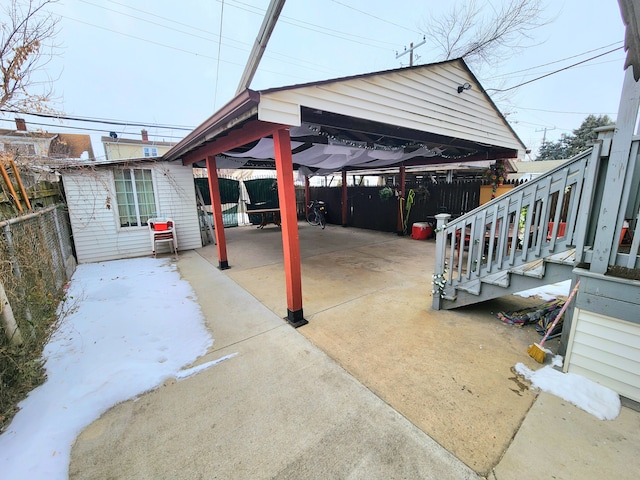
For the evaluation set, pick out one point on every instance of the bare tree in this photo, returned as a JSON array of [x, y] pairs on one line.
[[467, 31], [27, 30]]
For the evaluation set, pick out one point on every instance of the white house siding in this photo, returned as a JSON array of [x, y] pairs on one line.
[[94, 219], [424, 99], [607, 351]]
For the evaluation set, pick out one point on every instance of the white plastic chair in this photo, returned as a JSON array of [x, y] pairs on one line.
[[162, 230]]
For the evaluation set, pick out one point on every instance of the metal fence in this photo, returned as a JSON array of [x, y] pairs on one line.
[[368, 207], [36, 260]]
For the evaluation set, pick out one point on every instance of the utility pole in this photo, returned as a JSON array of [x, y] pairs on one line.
[[410, 50], [544, 135]]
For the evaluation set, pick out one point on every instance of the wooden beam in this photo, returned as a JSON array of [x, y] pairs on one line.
[[249, 132], [289, 218], [12, 192], [216, 206]]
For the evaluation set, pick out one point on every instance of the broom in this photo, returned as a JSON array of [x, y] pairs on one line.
[[536, 351]]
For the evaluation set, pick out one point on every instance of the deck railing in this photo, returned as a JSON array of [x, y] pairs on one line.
[[534, 220], [555, 212]]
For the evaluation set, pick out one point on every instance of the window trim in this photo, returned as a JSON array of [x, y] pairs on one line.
[[135, 196], [151, 151]]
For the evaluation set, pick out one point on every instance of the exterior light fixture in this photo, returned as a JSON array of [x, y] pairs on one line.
[[465, 86]]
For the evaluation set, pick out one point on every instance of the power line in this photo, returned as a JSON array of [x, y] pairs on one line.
[[86, 129], [557, 61], [554, 72], [404, 27], [103, 121]]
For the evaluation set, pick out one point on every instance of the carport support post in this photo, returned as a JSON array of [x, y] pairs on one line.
[[439, 273], [289, 218], [344, 198], [403, 179], [306, 197], [216, 206]]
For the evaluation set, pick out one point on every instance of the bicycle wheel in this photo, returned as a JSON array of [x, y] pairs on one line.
[[312, 218], [322, 220]]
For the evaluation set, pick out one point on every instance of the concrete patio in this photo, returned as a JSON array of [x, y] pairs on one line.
[[377, 385]]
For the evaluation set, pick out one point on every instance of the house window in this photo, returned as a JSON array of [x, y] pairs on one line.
[[20, 148], [134, 196], [150, 151]]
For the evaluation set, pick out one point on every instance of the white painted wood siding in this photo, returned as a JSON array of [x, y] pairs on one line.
[[96, 231], [607, 351], [422, 99]]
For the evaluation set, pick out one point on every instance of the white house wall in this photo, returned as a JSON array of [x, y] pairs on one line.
[[94, 218], [424, 99], [606, 350]]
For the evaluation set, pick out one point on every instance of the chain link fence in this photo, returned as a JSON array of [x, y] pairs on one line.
[[36, 260]]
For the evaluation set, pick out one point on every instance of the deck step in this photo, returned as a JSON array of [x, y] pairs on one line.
[[472, 287], [567, 257], [532, 269], [501, 279]]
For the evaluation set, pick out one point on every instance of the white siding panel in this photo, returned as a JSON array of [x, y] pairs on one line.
[[422, 99], [94, 219], [607, 351], [270, 110]]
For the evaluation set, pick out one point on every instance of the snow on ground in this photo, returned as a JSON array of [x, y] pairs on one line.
[[133, 324], [591, 397], [583, 393]]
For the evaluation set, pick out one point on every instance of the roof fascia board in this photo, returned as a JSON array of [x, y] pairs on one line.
[[249, 132], [238, 109]]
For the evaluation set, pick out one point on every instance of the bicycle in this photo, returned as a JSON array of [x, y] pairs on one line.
[[317, 212]]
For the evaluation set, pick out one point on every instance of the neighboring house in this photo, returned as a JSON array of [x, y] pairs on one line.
[[116, 148], [532, 169], [37, 144], [110, 202]]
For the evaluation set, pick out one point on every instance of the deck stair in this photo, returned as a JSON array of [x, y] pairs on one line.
[[520, 240]]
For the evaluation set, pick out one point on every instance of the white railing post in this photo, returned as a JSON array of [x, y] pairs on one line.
[[441, 256]]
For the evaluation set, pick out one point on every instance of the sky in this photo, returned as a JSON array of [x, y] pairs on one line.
[[119, 338], [161, 62]]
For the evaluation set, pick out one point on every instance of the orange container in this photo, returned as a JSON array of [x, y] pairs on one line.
[[160, 226], [421, 231]]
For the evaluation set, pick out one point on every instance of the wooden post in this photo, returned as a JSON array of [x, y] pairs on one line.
[[441, 253], [11, 329], [616, 173], [216, 206], [23, 191], [403, 179], [12, 192], [290, 239], [344, 198], [306, 197]]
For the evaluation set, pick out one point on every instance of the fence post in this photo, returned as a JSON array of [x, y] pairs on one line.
[[441, 261]]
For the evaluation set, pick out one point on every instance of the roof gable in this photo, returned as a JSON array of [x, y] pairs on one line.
[[423, 98]]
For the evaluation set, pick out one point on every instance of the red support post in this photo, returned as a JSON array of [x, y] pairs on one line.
[[306, 196], [289, 217], [216, 206], [403, 179], [344, 198]]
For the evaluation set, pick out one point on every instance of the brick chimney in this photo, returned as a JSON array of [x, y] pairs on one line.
[[21, 125], [145, 136]]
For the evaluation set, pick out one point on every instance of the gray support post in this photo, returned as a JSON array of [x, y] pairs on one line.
[[441, 255]]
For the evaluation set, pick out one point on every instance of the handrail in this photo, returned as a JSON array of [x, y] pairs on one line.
[[534, 220]]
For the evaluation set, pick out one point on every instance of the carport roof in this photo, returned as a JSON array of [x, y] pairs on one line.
[[409, 116]]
